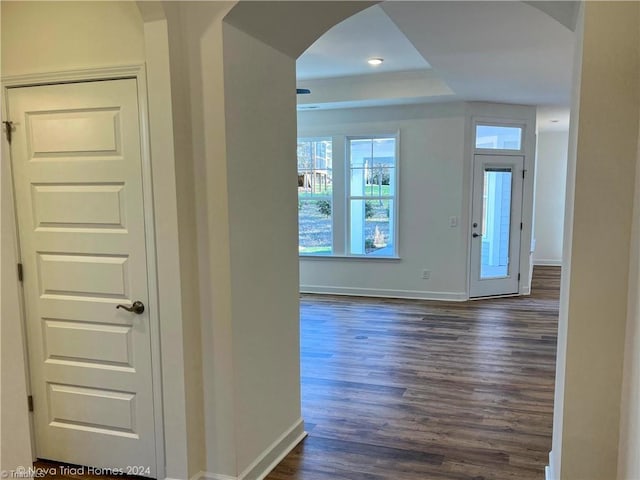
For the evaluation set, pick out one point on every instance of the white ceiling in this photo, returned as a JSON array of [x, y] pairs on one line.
[[345, 49], [496, 51], [553, 119]]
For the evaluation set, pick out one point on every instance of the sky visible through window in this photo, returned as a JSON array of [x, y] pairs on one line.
[[497, 137]]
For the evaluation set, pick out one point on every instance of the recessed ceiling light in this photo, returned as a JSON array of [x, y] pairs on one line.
[[375, 61]]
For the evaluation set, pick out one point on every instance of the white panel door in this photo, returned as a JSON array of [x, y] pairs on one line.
[[78, 182], [496, 225]]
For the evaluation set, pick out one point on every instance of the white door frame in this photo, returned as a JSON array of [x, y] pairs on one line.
[[515, 206], [138, 73], [511, 116]]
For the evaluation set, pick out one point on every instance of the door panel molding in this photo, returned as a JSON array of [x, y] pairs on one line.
[[137, 72]]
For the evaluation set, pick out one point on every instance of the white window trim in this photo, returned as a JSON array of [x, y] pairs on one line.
[[340, 215], [498, 122], [348, 197]]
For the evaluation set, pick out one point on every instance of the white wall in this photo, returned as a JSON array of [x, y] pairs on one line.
[[550, 191], [593, 313], [196, 50], [262, 183], [629, 448], [555, 455], [52, 36], [434, 174], [431, 166]]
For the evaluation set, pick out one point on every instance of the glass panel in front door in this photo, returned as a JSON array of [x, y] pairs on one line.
[[496, 222]]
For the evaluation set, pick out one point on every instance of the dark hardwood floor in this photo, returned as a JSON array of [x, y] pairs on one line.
[[403, 389]]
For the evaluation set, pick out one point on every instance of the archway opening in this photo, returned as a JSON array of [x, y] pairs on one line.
[[347, 105]]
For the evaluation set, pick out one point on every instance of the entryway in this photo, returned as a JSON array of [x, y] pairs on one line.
[[496, 225]]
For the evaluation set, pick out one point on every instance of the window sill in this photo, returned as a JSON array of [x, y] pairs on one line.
[[357, 258]]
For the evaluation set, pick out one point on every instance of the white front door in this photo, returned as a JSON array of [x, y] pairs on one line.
[[77, 175], [496, 225]]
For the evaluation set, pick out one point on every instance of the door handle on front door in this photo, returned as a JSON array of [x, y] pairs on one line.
[[137, 307], [475, 235]]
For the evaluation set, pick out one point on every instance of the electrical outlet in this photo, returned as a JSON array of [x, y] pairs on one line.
[[453, 222], [426, 274]]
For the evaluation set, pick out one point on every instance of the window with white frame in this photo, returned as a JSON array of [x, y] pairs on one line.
[[372, 186], [350, 209], [498, 137]]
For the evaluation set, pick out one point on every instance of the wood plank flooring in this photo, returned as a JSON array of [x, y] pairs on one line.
[[402, 389]]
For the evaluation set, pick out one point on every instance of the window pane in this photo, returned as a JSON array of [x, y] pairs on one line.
[[371, 230], [372, 163], [380, 181], [314, 167], [496, 223], [498, 137], [315, 231], [315, 188]]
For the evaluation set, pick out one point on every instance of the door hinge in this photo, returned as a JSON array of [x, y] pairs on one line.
[[518, 277], [20, 273], [523, 173], [30, 402], [520, 225], [8, 130]]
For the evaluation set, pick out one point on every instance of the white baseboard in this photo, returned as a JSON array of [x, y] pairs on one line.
[[549, 473], [387, 293], [268, 459], [211, 476], [275, 453], [543, 262]]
